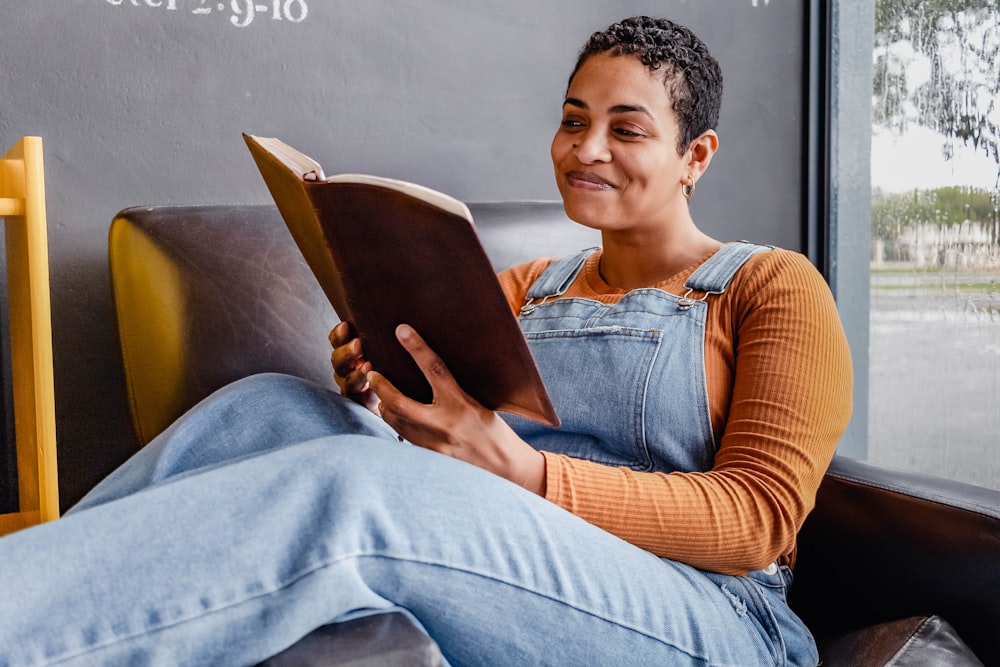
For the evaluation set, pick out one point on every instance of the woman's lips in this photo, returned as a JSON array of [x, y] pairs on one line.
[[587, 181]]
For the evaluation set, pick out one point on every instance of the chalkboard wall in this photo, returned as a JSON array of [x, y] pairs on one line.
[[143, 102]]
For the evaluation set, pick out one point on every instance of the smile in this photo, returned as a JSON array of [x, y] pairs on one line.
[[587, 181]]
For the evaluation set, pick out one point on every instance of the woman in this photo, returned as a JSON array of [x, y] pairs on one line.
[[702, 388]]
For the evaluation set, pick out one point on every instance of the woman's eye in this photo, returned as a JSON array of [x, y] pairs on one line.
[[571, 123], [627, 132]]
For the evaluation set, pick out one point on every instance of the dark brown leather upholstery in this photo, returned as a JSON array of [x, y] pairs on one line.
[[400, 644], [205, 295], [884, 545], [920, 641]]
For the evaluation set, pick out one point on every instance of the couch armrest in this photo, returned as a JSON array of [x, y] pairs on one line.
[[884, 545], [205, 295]]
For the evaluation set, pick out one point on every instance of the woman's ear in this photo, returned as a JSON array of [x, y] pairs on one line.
[[701, 151]]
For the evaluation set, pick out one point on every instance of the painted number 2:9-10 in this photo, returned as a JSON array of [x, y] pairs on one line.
[[242, 12]]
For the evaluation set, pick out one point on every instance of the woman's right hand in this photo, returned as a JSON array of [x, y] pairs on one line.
[[350, 368]]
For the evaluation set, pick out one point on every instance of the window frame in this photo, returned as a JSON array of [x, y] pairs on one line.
[[837, 179]]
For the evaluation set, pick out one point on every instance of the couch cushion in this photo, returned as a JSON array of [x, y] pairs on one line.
[[919, 641]]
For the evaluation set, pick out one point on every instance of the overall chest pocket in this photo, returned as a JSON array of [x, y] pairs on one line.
[[598, 378]]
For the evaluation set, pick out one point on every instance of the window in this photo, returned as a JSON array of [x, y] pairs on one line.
[[934, 319]]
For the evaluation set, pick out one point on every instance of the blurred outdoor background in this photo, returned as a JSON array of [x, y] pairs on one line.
[[934, 393]]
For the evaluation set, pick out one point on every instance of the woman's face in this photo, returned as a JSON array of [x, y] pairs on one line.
[[615, 152]]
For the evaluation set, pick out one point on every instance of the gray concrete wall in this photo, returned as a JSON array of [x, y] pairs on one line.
[[143, 102]]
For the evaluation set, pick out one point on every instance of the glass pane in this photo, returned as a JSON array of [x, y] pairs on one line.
[[935, 272]]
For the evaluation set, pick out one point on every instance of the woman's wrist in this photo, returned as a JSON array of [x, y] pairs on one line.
[[535, 479], [528, 469]]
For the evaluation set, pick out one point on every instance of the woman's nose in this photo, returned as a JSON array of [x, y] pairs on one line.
[[592, 147]]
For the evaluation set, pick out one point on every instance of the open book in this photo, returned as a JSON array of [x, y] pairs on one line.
[[388, 252]]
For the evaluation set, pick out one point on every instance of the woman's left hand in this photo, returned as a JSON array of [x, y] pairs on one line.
[[454, 423]]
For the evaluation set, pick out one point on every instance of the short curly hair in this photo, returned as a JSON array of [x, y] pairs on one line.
[[692, 76]]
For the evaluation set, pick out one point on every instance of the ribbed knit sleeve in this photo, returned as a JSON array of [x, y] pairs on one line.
[[779, 380]]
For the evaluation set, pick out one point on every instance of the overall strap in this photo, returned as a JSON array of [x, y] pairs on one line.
[[714, 276], [558, 276], [718, 270]]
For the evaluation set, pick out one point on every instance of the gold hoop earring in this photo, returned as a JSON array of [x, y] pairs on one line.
[[688, 188]]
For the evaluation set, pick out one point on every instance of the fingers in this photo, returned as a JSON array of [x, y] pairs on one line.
[[343, 338], [433, 368], [347, 359], [405, 415], [340, 334], [349, 363], [423, 424], [389, 395], [350, 369], [347, 353], [357, 381]]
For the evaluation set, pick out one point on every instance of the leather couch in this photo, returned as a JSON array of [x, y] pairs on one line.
[[893, 568]]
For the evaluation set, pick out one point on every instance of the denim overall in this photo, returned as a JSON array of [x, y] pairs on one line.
[[628, 379], [277, 506], [628, 383]]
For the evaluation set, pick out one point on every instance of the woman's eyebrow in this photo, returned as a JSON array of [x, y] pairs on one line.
[[618, 108], [630, 108]]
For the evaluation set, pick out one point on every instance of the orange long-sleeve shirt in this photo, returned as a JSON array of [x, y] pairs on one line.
[[779, 379]]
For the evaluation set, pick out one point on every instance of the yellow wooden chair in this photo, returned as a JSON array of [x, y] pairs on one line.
[[22, 205]]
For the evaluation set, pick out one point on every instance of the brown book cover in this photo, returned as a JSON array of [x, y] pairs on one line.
[[388, 252]]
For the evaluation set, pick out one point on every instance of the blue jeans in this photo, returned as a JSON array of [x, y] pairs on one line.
[[276, 507]]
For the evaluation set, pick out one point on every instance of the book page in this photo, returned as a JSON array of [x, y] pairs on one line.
[[311, 170], [429, 195], [300, 163]]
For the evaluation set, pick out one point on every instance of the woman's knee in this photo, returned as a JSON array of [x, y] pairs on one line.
[[285, 403], [256, 414], [270, 388]]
